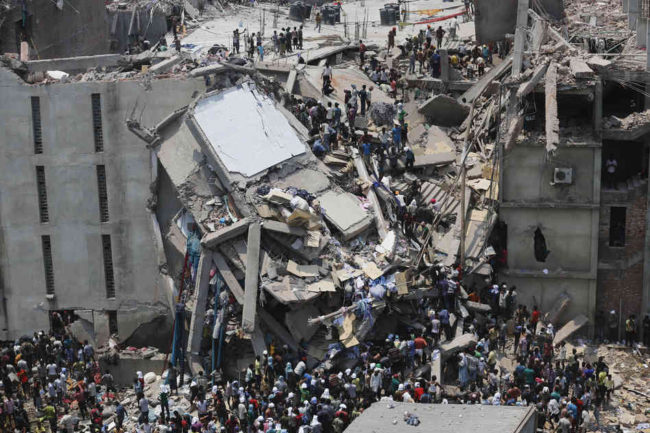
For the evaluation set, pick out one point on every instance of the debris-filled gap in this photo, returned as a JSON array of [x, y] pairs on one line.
[[108, 266], [36, 125], [97, 122], [103, 193], [46, 245], [42, 194], [617, 226]]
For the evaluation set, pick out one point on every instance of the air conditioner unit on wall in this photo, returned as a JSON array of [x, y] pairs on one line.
[[563, 175]]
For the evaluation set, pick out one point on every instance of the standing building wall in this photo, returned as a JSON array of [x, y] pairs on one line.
[[77, 232], [567, 214]]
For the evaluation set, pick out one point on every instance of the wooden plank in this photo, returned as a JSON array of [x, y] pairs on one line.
[[228, 277], [552, 121], [252, 277]]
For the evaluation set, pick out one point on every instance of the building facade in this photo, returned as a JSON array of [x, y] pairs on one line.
[[77, 230]]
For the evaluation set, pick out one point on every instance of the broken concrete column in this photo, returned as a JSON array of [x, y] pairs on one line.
[[633, 13], [198, 315], [444, 65], [552, 121], [641, 32], [626, 6], [520, 36], [252, 277], [372, 196]]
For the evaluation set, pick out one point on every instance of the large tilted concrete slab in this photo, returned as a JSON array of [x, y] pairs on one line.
[[252, 277], [444, 110], [276, 328], [213, 239], [344, 212], [372, 196], [198, 314], [568, 329], [458, 344], [494, 73]]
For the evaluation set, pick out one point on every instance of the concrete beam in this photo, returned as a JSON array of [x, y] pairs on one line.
[[213, 239], [284, 228], [276, 328], [552, 121], [228, 277], [166, 64], [252, 277], [198, 314], [529, 86], [580, 69], [520, 36], [372, 196]]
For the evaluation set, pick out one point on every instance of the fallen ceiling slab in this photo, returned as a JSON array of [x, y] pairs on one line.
[[262, 138]]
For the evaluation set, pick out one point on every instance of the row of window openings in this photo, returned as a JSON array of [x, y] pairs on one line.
[[97, 123], [42, 194], [107, 252]]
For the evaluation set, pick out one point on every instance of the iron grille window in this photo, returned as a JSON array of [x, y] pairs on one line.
[[103, 193], [42, 194], [36, 125], [46, 244], [97, 122], [108, 266]]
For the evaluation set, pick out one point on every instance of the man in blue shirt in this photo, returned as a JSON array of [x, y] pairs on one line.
[[397, 135]]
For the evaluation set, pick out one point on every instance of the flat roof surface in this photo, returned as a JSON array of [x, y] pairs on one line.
[[440, 418], [246, 130]]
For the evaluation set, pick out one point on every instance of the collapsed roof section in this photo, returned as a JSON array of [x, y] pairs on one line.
[[246, 131]]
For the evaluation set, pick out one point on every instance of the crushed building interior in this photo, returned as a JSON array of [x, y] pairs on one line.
[[177, 201]]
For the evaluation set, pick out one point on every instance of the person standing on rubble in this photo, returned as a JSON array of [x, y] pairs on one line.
[[318, 21], [391, 38], [327, 73], [235, 41], [363, 94], [440, 33], [630, 331]]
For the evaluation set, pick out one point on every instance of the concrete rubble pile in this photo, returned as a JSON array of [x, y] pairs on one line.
[[287, 248]]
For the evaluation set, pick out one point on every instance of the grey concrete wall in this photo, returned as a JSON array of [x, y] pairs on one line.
[[79, 29], [568, 234], [69, 159], [496, 18], [543, 292], [528, 175]]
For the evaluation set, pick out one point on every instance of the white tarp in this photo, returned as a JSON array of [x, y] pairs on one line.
[[246, 130]]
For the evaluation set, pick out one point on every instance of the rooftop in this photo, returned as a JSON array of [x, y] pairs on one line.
[[442, 418]]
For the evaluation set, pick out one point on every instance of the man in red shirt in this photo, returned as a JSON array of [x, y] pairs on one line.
[[420, 343], [534, 318]]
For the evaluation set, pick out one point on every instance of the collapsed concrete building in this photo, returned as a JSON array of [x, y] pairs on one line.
[[111, 203]]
